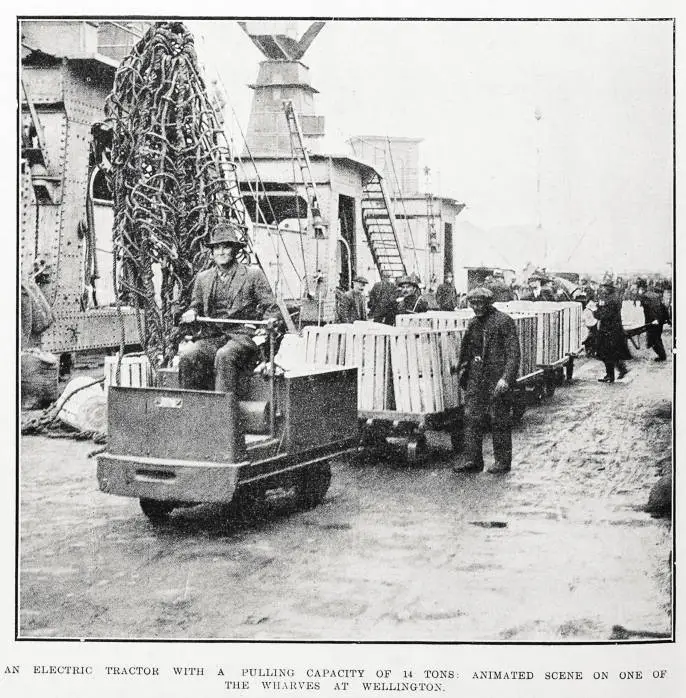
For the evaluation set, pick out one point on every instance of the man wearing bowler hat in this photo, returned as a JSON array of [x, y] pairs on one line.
[[229, 290]]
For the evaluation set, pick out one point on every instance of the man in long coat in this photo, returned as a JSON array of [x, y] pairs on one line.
[[611, 346], [488, 366], [229, 290], [446, 293]]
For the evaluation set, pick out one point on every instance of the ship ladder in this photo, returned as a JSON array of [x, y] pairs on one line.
[[379, 227]]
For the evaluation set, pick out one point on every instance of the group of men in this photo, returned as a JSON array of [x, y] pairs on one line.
[[388, 299], [489, 354], [606, 338]]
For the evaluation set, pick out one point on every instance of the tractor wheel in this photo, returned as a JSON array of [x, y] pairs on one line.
[[242, 505], [416, 449], [314, 484], [156, 510]]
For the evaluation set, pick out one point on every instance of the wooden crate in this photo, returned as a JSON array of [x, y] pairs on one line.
[[369, 348], [449, 343], [326, 345], [549, 343], [134, 371], [424, 364], [403, 369], [527, 332], [365, 345], [437, 319]]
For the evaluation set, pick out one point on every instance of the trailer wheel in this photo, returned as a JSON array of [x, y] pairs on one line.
[[156, 510], [314, 484], [549, 386], [518, 410], [457, 439], [569, 370], [416, 449]]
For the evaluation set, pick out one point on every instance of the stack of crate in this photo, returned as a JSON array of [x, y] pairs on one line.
[[526, 323], [402, 369], [548, 331], [561, 331]]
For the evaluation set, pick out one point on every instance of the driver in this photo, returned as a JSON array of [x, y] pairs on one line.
[[229, 290]]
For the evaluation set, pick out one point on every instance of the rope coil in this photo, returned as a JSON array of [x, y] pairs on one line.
[[172, 178]]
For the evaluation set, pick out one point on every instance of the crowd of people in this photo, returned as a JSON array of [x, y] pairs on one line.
[[489, 354]]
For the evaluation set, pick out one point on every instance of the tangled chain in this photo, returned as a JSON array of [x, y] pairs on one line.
[[172, 176]]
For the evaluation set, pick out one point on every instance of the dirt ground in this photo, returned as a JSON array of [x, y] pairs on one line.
[[558, 550]]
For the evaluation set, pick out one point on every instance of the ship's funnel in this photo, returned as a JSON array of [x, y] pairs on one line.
[[282, 77]]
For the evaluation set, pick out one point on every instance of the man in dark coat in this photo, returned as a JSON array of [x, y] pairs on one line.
[[410, 300], [353, 304], [488, 366], [382, 302], [446, 293], [611, 346], [656, 315], [229, 290]]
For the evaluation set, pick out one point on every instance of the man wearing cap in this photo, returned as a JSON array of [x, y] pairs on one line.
[[353, 303], [229, 290], [488, 366], [656, 315], [410, 300]]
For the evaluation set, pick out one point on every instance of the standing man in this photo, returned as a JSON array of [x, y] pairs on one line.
[[656, 315], [611, 346], [354, 303], [229, 290], [410, 300], [488, 366], [446, 293]]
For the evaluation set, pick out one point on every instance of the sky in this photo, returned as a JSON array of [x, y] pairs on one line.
[[602, 148]]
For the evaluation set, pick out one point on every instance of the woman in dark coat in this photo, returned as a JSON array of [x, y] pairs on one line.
[[611, 346]]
